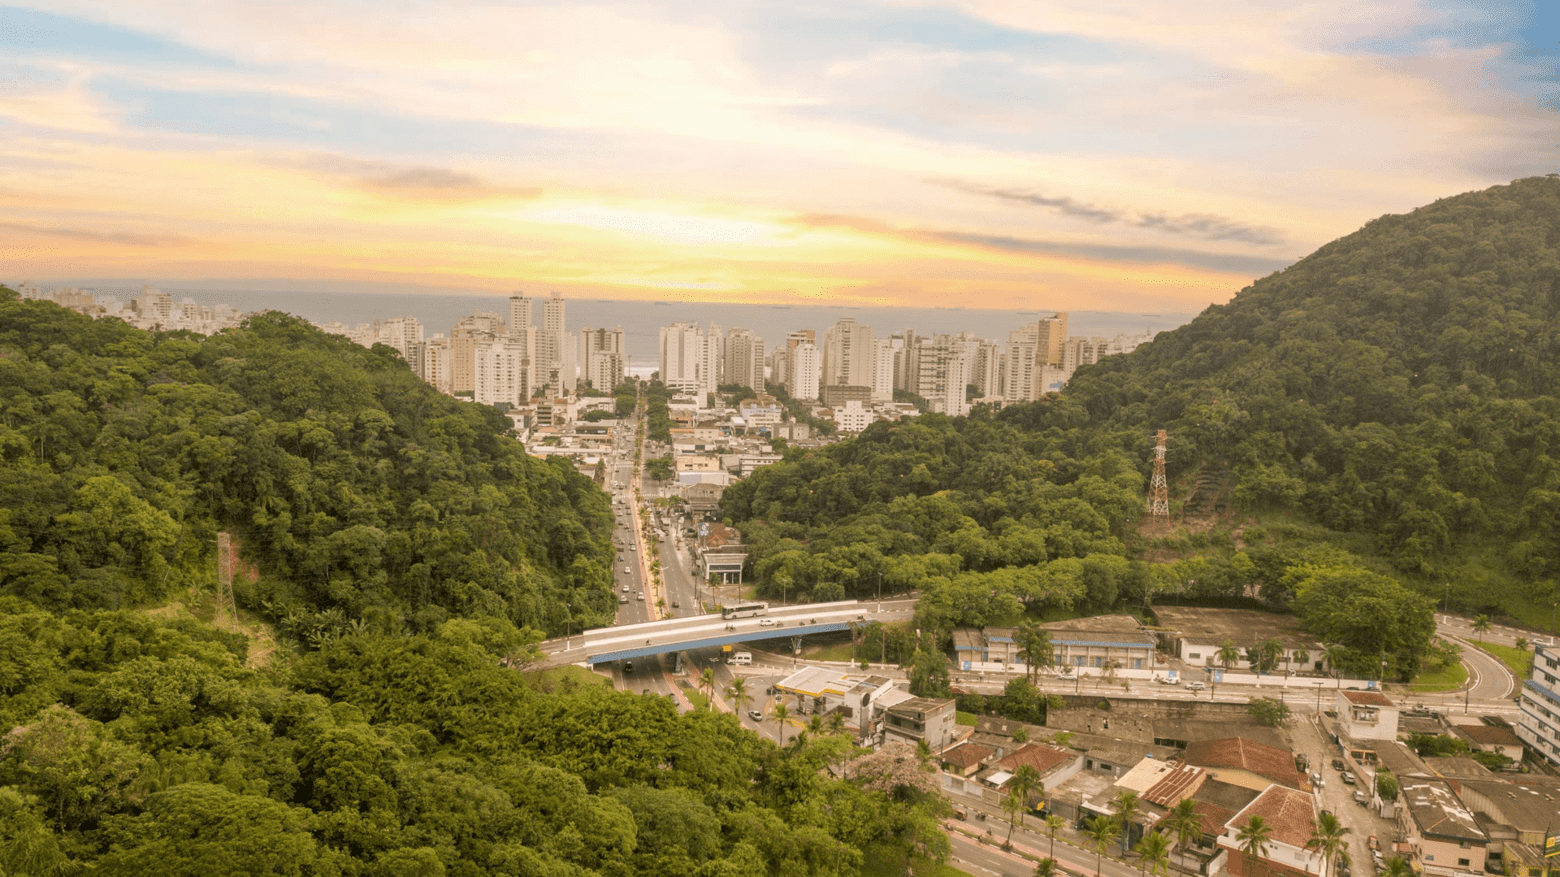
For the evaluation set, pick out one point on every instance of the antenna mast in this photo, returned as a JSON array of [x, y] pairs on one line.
[[225, 602]]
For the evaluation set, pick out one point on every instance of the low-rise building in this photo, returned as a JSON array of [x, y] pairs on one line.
[[1499, 739], [1118, 640], [1442, 833], [1290, 816], [1244, 762], [921, 718], [1199, 633], [1366, 715]]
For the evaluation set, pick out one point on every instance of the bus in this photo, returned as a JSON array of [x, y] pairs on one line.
[[744, 610]]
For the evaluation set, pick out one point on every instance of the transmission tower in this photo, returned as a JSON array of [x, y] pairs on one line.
[[1158, 488], [225, 602]]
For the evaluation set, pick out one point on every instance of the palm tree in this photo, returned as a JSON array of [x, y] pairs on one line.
[[1271, 651], [1301, 656], [1102, 833], [1025, 780], [1253, 838], [737, 693], [1013, 806], [1034, 647], [1329, 838], [1397, 866], [1126, 808], [781, 714], [1481, 626], [707, 682], [1053, 824], [1153, 854], [1046, 868], [1228, 654], [1185, 823]]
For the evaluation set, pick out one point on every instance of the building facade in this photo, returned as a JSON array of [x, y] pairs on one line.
[[1539, 724]]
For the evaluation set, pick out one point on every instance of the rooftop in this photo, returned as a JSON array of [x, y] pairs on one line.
[[1218, 802], [1042, 758], [1490, 735], [921, 705], [1176, 785], [1289, 813], [1437, 810], [1245, 627], [967, 755], [1366, 698], [1238, 753], [1528, 802]]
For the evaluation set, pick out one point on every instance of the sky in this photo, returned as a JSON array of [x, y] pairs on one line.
[[1119, 155]]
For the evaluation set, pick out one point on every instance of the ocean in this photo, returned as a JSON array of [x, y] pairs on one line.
[[641, 320]]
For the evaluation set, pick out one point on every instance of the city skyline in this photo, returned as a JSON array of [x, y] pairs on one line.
[[991, 154]]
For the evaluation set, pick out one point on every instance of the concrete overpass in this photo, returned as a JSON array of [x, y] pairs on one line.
[[625, 642]]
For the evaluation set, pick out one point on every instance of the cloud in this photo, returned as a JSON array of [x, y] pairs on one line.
[[431, 184], [1199, 225], [1225, 263], [96, 237]]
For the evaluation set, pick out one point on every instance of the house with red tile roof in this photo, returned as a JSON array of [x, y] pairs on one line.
[[1290, 817], [1247, 763]]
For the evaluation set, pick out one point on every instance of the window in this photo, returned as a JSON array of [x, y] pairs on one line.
[[1194, 656], [1462, 863]]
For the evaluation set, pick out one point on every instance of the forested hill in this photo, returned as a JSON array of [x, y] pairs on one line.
[[361, 497], [1383, 414], [1400, 384]]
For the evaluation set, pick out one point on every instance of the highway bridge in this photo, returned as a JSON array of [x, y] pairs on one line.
[[629, 641]]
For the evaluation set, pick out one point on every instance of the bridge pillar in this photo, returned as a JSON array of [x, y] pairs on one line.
[[796, 645]]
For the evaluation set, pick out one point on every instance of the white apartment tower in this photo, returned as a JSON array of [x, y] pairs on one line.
[[789, 372], [883, 370], [501, 372], [1539, 723], [986, 368], [522, 311], [605, 357], [479, 328], [944, 375], [806, 371], [849, 354], [682, 346], [712, 360], [744, 360]]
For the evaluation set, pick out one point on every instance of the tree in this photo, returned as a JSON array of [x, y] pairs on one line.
[[1481, 626], [1025, 781], [1127, 805], [1228, 654], [1053, 824], [1045, 868], [781, 714], [1397, 866], [1269, 711], [1386, 785], [74, 765], [1034, 647], [1253, 838], [737, 693], [1154, 853], [1013, 806], [929, 675], [195, 829], [1185, 823], [1101, 832], [707, 682], [1329, 837]]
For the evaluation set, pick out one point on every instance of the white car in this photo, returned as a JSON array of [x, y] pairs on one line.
[[627, 571], [766, 622]]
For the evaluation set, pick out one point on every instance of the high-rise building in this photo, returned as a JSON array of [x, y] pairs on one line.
[[1050, 338], [433, 362], [986, 369], [806, 371], [1019, 384], [682, 346], [154, 307], [501, 372], [712, 356], [552, 361], [791, 340], [479, 328], [1539, 723], [744, 360], [883, 352], [522, 311], [605, 357], [849, 354], [780, 366], [944, 376], [400, 333]]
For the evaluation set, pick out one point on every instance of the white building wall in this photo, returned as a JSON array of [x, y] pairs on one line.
[[806, 371]]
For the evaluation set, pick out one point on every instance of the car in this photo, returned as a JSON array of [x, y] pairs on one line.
[[1341, 868], [1338, 764], [959, 812], [1318, 780], [1372, 844], [625, 589], [627, 571], [620, 558], [628, 668], [1348, 778], [755, 715], [676, 605], [766, 622], [1167, 680], [640, 596], [622, 598], [1360, 798], [1195, 686]]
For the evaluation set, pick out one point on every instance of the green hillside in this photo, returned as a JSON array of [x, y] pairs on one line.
[[362, 498], [1384, 414], [407, 549]]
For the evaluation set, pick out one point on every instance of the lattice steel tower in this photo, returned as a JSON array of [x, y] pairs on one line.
[[1158, 488], [225, 602]]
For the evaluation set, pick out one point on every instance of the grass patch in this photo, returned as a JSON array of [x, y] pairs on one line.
[[547, 680], [1432, 681], [697, 698], [836, 652], [883, 861], [964, 718], [1520, 661]]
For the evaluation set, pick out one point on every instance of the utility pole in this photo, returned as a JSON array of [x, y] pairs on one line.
[[225, 601]]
